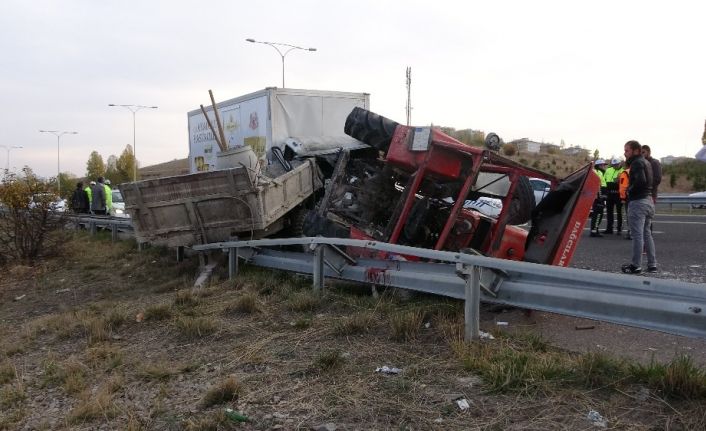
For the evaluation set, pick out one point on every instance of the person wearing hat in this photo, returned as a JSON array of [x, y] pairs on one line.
[[599, 203], [108, 196], [611, 175]]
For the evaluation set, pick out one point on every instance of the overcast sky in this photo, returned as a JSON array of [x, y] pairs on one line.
[[595, 74]]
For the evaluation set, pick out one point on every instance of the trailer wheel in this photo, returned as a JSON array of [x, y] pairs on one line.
[[373, 129], [522, 203]]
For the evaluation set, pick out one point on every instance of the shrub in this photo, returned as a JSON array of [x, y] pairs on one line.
[[509, 149], [227, 391], [29, 226]]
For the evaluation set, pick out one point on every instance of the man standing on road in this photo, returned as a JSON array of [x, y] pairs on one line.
[[599, 203], [79, 200], [613, 197], [98, 198], [641, 209], [656, 170]]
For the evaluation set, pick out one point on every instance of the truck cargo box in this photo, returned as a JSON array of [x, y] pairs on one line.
[[216, 205]]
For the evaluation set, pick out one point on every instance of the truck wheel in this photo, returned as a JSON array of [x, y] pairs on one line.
[[522, 203], [371, 128]]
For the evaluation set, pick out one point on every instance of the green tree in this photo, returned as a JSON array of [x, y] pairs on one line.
[[111, 170], [596, 154], [672, 180], [125, 165], [95, 167], [703, 137], [68, 184]]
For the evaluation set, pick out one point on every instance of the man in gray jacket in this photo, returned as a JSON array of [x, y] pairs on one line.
[[641, 209], [98, 197]]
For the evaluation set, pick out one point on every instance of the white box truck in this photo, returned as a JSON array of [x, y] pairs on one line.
[[271, 117], [210, 205]]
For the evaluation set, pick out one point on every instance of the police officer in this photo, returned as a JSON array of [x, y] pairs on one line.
[[611, 176], [599, 203]]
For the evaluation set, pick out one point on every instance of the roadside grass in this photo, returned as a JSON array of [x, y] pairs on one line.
[[12, 395], [7, 372], [224, 392], [406, 324], [70, 374], [357, 323], [304, 301], [104, 357], [158, 312], [246, 303], [330, 360], [193, 328], [93, 406], [157, 371]]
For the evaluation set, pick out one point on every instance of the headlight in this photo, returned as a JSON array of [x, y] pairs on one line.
[[119, 211]]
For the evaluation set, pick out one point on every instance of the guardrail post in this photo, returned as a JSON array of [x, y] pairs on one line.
[[92, 227], [319, 267], [471, 275], [180, 253], [113, 232], [232, 263]]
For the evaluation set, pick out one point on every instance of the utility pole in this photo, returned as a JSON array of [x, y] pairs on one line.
[[408, 108]]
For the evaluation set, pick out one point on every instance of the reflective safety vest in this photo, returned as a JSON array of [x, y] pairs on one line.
[[623, 183], [611, 174], [108, 197], [90, 195], [601, 176]]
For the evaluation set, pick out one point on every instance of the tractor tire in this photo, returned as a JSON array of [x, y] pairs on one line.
[[373, 129], [522, 203]]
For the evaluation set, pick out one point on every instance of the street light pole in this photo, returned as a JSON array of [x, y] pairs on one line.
[[58, 135], [275, 46], [7, 161], [134, 109]]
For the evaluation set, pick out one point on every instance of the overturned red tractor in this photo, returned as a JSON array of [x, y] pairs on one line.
[[413, 185]]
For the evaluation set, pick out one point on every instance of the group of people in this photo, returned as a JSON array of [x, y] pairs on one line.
[[95, 198], [631, 184]]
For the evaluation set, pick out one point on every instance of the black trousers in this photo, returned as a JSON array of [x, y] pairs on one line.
[[613, 203], [597, 213]]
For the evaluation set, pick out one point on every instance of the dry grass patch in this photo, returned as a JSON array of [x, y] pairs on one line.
[[93, 406], [196, 327], [104, 357], [63, 325], [357, 323], [97, 329], [158, 371], [7, 372], [247, 303], [304, 300], [186, 299], [224, 392], [406, 324], [12, 395], [330, 360], [158, 312]]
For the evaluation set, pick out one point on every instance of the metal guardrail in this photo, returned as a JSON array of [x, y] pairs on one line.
[[663, 305], [685, 200], [93, 222]]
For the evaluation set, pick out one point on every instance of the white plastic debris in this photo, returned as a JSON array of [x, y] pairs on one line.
[[62, 290], [388, 370], [501, 323], [486, 335], [596, 419], [19, 298], [427, 325], [463, 404]]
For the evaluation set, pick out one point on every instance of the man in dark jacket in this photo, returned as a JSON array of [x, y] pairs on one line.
[[79, 200], [98, 198], [641, 209], [656, 170]]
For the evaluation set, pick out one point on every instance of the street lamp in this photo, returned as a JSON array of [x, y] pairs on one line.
[[7, 161], [134, 109], [58, 135], [275, 45]]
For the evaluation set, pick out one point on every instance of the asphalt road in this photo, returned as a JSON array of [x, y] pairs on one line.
[[680, 241]]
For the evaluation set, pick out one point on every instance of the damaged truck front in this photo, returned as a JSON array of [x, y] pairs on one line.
[[413, 186]]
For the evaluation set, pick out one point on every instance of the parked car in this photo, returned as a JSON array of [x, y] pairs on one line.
[[118, 209], [698, 195], [541, 188], [53, 202]]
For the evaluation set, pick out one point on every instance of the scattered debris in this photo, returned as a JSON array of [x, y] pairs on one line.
[[278, 415], [427, 325], [140, 317], [694, 266], [325, 427], [584, 327], [501, 323], [18, 298], [596, 419], [486, 335], [453, 396], [116, 337], [438, 420], [62, 290], [388, 370], [470, 381], [236, 416], [463, 404]]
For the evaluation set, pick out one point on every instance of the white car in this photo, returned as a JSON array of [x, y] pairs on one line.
[[118, 209], [541, 188], [53, 202], [698, 195]]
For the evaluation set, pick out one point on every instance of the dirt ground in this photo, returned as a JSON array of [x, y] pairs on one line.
[[105, 337]]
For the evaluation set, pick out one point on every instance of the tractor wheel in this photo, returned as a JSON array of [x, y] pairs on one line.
[[373, 129], [522, 203]]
